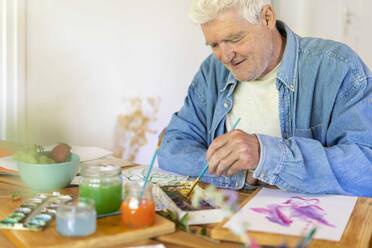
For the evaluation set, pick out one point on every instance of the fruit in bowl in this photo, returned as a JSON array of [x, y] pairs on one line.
[[44, 171]]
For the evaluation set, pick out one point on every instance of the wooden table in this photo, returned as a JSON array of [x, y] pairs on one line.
[[358, 232]]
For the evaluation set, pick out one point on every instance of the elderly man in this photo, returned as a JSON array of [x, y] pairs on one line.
[[305, 106]]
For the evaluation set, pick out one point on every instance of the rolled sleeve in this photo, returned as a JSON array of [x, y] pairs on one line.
[[272, 153]]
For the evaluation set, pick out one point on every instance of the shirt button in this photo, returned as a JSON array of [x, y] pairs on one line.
[[225, 104]]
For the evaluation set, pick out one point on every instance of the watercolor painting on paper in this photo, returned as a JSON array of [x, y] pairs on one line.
[[277, 211], [304, 209]]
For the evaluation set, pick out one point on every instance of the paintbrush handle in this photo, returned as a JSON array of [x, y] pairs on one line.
[[160, 139], [201, 174], [235, 124], [150, 166], [148, 172]]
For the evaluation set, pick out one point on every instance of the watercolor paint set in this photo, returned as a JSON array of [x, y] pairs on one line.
[[178, 197], [35, 213], [173, 198]]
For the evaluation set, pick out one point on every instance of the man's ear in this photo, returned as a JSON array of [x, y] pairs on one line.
[[268, 16]]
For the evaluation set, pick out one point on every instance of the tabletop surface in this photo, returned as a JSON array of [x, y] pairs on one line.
[[358, 232]]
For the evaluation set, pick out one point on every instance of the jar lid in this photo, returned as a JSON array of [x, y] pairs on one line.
[[99, 170]]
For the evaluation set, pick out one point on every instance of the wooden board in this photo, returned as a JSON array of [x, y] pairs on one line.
[[5, 243], [358, 232], [110, 231]]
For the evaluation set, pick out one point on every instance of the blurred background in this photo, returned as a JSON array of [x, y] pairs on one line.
[[110, 73]]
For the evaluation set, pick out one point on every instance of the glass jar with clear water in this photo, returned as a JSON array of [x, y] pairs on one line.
[[103, 184], [76, 218]]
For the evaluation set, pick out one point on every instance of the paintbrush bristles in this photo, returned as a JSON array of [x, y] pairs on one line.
[[192, 187]]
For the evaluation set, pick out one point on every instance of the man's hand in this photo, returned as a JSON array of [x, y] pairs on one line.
[[233, 152]]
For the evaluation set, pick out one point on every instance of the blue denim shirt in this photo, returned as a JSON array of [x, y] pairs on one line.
[[325, 108]]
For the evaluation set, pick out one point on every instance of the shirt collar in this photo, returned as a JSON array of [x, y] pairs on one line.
[[288, 68], [231, 80]]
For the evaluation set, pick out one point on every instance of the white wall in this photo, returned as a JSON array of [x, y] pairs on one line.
[[84, 57], [347, 21], [12, 69]]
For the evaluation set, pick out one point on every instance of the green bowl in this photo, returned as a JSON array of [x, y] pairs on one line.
[[49, 177]]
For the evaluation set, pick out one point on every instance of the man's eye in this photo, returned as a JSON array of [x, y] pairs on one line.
[[235, 40]]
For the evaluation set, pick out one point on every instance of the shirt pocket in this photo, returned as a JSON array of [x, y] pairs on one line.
[[315, 132]]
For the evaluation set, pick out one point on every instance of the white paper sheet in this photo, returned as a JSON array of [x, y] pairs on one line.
[[298, 213], [86, 153], [158, 176], [8, 163]]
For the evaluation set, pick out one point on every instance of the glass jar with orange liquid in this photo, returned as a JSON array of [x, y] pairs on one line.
[[137, 210]]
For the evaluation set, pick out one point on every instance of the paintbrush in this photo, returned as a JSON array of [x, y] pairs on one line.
[[145, 180], [197, 180], [201, 174], [307, 239]]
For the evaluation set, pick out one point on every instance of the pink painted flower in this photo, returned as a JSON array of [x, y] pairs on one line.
[[305, 209]]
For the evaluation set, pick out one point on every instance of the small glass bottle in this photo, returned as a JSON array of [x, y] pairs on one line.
[[103, 184], [138, 208]]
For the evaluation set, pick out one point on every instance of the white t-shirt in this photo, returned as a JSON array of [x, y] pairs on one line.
[[257, 104]]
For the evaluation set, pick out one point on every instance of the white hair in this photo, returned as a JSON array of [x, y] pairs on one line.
[[202, 11]]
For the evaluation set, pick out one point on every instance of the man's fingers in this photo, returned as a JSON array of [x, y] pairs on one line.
[[212, 166], [226, 164], [216, 145], [221, 169], [234, 168], [233, 152], [221, 156]]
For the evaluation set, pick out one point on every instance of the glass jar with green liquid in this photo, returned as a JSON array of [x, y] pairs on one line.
[[103, 184]]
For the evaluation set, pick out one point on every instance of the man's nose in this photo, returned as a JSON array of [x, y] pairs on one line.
[[227, 54]]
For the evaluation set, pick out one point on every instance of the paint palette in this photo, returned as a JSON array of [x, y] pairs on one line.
[[36, 213]]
